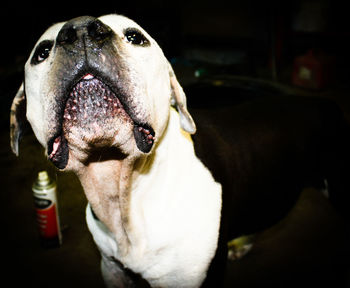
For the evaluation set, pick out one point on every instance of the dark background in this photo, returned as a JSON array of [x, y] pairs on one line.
[[259, 39], [257, 28], [241, 42]]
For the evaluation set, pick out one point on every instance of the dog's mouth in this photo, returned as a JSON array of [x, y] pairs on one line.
[[97, 114]]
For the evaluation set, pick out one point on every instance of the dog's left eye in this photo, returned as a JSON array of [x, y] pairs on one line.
[[135, 37], [42, 52]]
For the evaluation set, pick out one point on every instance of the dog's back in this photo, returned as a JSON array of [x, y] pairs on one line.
[[265, 151]]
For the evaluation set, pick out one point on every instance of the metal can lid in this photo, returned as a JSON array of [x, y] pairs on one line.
[[43, 179]]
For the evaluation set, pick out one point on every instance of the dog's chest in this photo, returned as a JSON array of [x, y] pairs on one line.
[[176, 230], [174, 226]]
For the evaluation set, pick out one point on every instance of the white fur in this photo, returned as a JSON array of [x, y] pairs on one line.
[[37, 91], [175, 214]]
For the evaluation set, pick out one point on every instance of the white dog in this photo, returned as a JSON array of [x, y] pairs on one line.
[[98, 95], [103, 100]]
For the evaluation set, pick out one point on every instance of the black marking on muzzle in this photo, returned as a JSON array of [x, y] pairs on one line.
[[88, 99], [104, 101]]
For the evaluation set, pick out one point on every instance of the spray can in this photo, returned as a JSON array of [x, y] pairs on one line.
[[45, 201]]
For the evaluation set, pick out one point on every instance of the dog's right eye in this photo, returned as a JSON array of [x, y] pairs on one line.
[[135, 37], [42, 52]]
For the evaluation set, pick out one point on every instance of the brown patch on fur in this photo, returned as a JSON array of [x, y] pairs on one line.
[[18, 121], [106, 185]]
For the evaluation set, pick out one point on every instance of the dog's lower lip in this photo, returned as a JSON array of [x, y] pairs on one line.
[[58, 152], [55, 146], [91, 101]]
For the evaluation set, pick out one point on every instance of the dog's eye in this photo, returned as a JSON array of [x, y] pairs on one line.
[[42, 52], [135, 37]]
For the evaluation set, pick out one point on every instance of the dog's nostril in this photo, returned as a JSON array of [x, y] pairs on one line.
[[67, 35], [98, 31]]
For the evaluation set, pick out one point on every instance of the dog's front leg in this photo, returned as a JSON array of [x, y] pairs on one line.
[[114, 275]]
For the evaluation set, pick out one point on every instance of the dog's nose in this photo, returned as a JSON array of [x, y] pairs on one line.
[[85, 29]]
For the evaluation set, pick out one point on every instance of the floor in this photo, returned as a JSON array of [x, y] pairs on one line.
[[309, 244], [76, 262]]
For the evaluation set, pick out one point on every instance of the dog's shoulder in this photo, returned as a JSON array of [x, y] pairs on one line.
[[258, 125]]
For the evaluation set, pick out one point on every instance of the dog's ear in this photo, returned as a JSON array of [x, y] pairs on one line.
[[18, 119], [178, 100]]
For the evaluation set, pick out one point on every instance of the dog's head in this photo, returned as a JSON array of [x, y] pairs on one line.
[[93, 83]]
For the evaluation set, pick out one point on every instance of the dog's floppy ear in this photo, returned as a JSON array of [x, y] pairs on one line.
[[18, 120], [178, 100]]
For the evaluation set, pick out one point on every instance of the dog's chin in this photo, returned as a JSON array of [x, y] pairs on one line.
[[94, 119]]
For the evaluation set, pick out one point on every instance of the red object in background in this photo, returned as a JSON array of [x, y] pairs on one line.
[[47, 222], [45, 202], [312, 70]]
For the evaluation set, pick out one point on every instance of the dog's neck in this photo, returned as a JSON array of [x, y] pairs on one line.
[[162, 210], [106, 186], [111, 185]]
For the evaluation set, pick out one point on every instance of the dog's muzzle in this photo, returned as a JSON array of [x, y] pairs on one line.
[[89, 93]]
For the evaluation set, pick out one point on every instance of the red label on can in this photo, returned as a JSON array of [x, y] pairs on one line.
[[47, 221]]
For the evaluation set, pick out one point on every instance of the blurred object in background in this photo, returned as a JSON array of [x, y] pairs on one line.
[[311, 16], [314, 70]]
